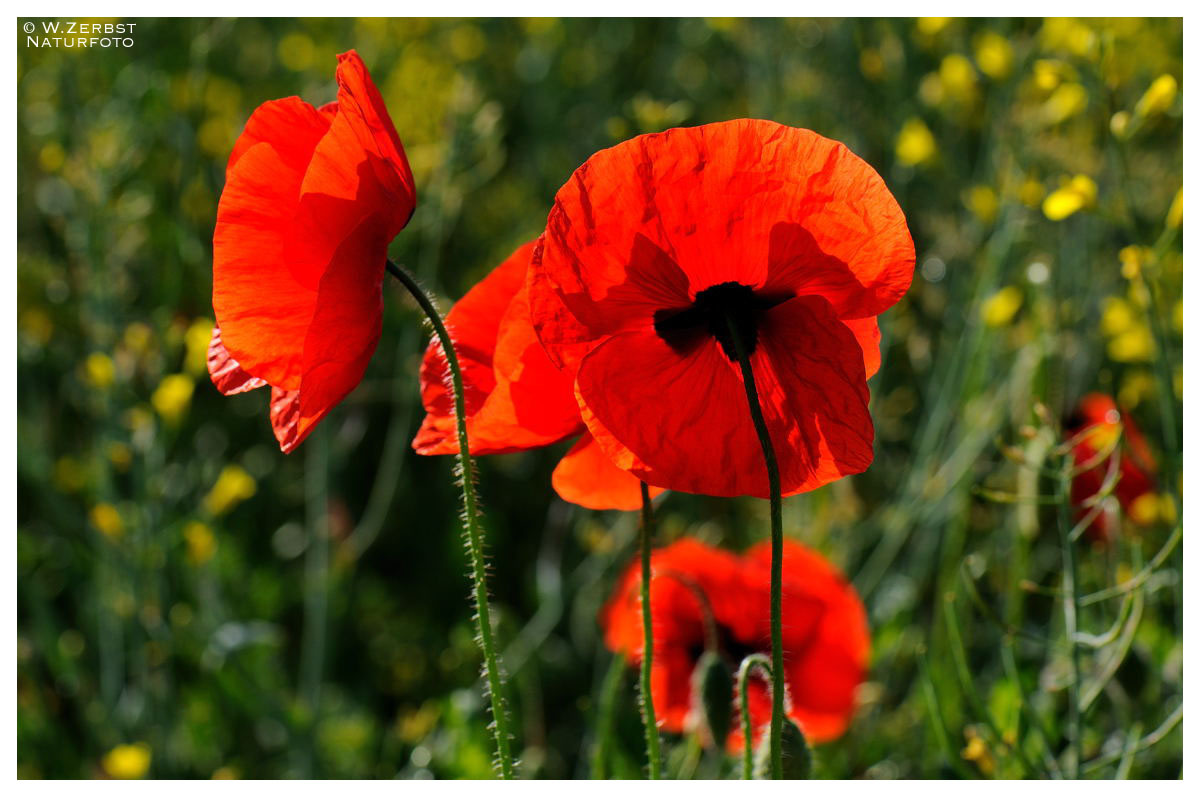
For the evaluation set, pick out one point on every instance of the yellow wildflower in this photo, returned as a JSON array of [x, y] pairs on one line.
[[1158, 98], [930, 90], [196, 341], [932, 26], [201, 543], [233, 486], [1079, 192], [107, 520], [1132, 259], [977, 752], [1067, 100], [1133, 345], [1069, 34], [1144, 509], [1135, 387], [172, 397], [1116, 316], [983, 202], [1119, 124], [1031, 192], [1175, 213], [225, 773], [138, 338], [1166, 508], [994, 55], [999, 308], [127, 761], [915, 144], [1048, 73], [98, 370], [958, 77]]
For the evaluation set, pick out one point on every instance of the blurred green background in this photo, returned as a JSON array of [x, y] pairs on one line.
[[188, 607]]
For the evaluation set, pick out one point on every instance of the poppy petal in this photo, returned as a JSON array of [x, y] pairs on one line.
[[747, 201], [814, 399], [358, 170], [829, 656], [587, 477], [565, 339], [285, 419], [515, 397], [225, 371], [290, 126], [866, 332], [254, 217]]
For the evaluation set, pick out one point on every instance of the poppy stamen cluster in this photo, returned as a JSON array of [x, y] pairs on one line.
[[712, 313]]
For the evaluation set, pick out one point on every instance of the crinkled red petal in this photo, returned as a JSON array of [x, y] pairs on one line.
[[225, 371], [696, 435]]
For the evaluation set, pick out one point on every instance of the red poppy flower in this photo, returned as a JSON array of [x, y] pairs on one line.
[[700, 595], [1098, 427], [312, 199], [516, 399], [653, 244]]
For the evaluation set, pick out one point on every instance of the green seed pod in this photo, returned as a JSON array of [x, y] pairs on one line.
[[712, 689], [797, 757]]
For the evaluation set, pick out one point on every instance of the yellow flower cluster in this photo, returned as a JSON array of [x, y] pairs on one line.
[[233, 486], [127, 761]]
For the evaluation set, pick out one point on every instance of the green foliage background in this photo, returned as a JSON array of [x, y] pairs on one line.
[[187, 609]]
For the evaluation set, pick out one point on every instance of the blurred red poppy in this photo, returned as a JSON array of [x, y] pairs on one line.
[[654, 246], [312, 199], [516, 398], [1101, 431], [702, 596]]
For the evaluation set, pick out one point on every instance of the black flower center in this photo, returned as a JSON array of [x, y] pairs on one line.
[[711, 313]]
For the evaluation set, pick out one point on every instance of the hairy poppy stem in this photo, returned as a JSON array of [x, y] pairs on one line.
[[764, 439], [471, 526], [653, 752], [743, 682]]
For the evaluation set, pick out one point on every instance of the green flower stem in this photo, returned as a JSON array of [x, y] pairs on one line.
[[743, 683], [653, 751], [474, 534], [764, 439]]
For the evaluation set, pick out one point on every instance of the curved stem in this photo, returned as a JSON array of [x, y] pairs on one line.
[[471, 527], [653, 751], [776, 492], [743, 683]]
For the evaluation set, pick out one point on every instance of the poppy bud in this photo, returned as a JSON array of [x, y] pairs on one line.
[[712, 686], [797, 758]]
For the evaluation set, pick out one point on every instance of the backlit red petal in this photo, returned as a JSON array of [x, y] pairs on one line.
[[587, 477], [814, 399], [516, 399], [652, 221], [261, 307]]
